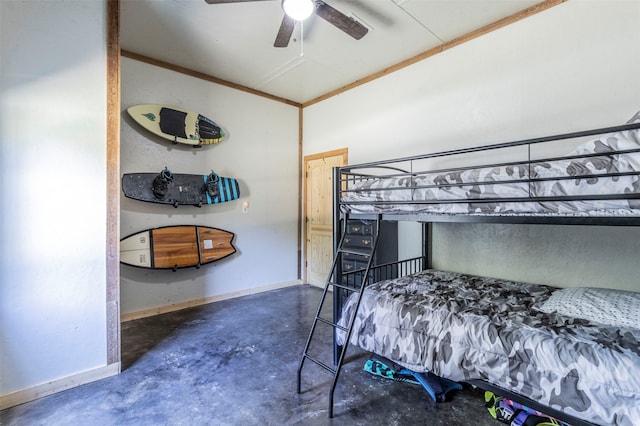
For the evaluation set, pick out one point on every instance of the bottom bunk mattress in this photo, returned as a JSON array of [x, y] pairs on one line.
[[464, 327]]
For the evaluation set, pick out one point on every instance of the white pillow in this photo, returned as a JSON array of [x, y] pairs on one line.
[[618, 308]]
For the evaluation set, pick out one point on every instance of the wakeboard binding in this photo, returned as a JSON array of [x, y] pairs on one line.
[[161, 183], [211, 185]]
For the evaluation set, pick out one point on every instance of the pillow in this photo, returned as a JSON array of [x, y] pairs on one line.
[[628, 139], [605, 164], [618, 308]]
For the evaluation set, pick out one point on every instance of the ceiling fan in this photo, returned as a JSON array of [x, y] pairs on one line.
[[299, 10]]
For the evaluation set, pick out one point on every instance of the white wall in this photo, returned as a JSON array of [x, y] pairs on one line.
[[53, 185], [572, 67], [261, 151]]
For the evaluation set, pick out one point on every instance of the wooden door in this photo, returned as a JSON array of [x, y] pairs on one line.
[[318, 213]]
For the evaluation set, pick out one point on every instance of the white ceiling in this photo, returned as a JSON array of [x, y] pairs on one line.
[[234, 42]]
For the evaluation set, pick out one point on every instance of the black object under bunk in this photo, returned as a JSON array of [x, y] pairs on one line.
[[438, 388], [344, 177]]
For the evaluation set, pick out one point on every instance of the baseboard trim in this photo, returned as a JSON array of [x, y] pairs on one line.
[[55, 386], [202, 301]]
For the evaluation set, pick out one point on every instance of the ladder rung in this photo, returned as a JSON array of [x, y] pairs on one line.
[[332, 324], [344, 287], [356, 252], [321, 364]]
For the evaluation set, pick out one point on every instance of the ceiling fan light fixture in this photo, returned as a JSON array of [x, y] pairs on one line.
[[298, 9]]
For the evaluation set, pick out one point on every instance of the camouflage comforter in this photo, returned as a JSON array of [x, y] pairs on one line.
[[464, 327], [462, 191]]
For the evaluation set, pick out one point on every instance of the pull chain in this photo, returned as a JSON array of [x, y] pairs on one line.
[[301, 38]]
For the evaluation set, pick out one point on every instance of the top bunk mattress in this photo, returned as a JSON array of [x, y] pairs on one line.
[[465, 327], [599, 178]]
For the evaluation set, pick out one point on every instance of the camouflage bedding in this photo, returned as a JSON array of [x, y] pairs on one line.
[[539, 179], [465, 327]]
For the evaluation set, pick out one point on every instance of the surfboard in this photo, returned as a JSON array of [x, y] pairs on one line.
[[176, 124], [173, 247], [180, 189]]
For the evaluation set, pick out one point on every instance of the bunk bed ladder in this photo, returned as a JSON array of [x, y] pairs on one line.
[[334, 285]]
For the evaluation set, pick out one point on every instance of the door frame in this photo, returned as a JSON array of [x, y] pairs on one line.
[[113, 110], [333, 153]]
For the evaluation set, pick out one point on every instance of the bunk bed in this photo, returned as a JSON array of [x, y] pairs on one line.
[[572, 353]]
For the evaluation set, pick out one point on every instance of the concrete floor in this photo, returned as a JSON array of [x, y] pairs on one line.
[[234, 362]]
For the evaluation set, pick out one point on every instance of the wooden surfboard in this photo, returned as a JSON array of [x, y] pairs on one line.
[[174, 247], [180, 189], [176, 124]]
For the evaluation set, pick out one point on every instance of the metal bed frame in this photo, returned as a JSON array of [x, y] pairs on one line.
[[343, 176], [349, 174]]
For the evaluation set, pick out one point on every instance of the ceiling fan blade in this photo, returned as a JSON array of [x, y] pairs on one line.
[[230, 1], [349, 25], [285, 31]]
